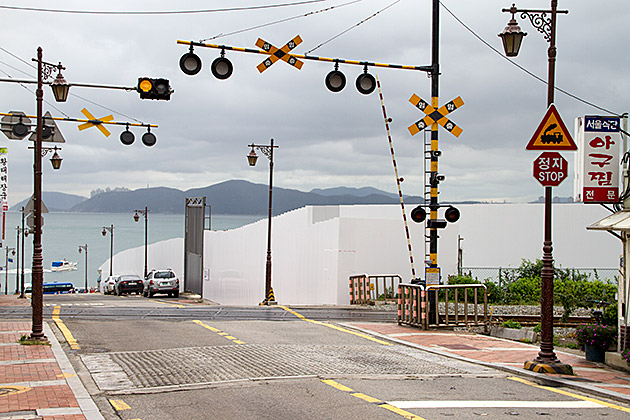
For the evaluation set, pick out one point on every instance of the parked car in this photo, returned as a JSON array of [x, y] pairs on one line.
[[161, 281], [108, 285], [128, 283]]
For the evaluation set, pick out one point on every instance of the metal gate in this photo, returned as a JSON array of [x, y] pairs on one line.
[[193, 244]]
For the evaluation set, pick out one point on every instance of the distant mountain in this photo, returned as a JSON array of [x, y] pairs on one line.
[[357, 192], [230, 197], [54, 201]]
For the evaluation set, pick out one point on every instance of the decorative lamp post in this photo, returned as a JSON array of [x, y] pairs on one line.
[[6, 269], [60, 90], [252, 157], [136, 218], [85, 248], [545, 22], [110, 229]]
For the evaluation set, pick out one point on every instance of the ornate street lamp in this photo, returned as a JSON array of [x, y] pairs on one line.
[[512, 35], [546, 25], [252, 157], [60, 91], [110, 229], [136, 218], [85, 248]]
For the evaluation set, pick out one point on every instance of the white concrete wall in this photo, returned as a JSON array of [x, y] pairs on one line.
[[316, 249]]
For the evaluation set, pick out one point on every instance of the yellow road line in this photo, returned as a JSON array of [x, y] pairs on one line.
[[72, 342], [372, 400], [335, 327], [119, 405], [177, 305], [570, 394], [219, 332]]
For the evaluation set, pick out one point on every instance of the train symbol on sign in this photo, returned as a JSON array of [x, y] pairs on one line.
[[551, 138]]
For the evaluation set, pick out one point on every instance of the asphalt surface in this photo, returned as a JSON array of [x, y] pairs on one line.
[[231, 363]]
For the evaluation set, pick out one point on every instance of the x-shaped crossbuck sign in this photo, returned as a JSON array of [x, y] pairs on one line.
[[435, 115], [279, 53], [98, 122]]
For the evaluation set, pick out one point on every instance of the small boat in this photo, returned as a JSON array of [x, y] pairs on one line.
[[63, 265]]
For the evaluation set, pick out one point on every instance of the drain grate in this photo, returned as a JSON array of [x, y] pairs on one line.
[[155, 368]]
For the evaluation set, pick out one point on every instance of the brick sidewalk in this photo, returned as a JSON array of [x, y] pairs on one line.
[[502, 353], [38, 381]]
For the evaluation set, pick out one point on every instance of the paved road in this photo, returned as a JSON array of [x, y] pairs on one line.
[[300, 368]]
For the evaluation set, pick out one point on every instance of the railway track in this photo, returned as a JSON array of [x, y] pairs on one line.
[[532, 320]]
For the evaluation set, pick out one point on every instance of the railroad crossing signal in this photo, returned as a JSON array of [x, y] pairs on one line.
[[96, 122], [551, 134], [153, 88], [435, 115], [279, 54]]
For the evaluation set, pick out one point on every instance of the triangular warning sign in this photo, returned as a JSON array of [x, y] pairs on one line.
[[51, 133], [551, 134]]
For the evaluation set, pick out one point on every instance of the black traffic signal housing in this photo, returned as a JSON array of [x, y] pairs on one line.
[[153, 88], [418, 214], [451, 214]]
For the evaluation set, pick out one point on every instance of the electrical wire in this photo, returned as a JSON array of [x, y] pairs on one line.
[[170, 12], [49, 103], [540, 79], [264, 25], [352, 27]]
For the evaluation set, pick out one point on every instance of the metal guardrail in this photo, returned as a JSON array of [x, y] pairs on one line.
[[359, 289], [412, 305], [456, 319], [365, 289], [414, 309]]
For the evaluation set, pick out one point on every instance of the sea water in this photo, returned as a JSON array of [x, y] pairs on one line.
[[64, 232]]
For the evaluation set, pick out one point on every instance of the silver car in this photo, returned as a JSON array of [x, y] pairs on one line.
[[108, 285], [161, 281]]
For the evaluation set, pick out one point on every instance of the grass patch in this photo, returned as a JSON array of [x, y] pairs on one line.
[[26, 341]]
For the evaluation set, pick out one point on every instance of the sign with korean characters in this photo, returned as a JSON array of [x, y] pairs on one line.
[[600, 154], [3, 188], [550, 169]]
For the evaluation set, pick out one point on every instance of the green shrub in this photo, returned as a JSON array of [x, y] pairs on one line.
[[524, 291], [537, 328], [510, 323], [610, 315], [601, 336]]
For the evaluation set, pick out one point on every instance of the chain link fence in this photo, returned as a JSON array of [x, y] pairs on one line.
[[501, 275]]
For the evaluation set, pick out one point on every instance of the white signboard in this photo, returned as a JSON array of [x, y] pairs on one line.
[[598, 160], [4, 182]]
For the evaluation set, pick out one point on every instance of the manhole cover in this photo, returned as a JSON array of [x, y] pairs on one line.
[[6, 390]]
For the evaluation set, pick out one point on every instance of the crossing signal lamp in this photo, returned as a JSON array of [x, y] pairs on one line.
[[190, 63], [152, 88], [451, 215], [418, 214]]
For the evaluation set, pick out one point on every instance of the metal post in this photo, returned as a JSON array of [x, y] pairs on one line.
[[17, 260], [37, 275], [23, 258], [268, 296], [433, 203], [111, 251], [146, 238], [85, 247], [546, 354]]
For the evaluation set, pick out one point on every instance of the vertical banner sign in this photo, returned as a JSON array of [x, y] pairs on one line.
[[600, 154], [3, 187]]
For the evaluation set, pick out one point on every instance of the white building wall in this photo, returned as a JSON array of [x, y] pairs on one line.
[[316, 249]]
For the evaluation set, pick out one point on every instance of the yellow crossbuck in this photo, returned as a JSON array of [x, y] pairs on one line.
[[435, 115], [96, 122], [279, 53]]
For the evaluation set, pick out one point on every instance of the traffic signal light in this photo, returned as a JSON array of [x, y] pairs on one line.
[[451, 215], [418, 214], [151, 88]]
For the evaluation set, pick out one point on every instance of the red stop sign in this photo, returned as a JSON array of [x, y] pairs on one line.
[[550, 169]]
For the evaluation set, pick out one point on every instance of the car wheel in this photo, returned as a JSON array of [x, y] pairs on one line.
[[176, 294], [145, 294], [170, 294], [150, 294]]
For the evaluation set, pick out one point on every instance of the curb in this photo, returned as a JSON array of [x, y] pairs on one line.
[[86, 404], [538, 377]]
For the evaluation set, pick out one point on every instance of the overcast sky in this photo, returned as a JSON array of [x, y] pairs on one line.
[[326, 139]]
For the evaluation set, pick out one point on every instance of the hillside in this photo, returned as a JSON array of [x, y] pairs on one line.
[[230, 197]]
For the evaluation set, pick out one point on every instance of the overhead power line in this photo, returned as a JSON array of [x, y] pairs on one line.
[[157, 12], [540, 79]]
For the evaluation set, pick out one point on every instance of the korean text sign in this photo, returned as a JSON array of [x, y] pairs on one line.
[[601, 149]]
